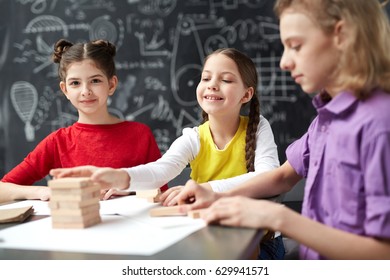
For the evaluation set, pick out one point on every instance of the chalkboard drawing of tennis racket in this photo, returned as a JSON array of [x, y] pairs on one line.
[[24, 98]]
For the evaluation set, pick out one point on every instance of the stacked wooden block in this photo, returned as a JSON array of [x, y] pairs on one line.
[[74, 202]]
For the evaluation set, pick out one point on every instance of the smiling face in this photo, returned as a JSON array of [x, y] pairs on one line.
[[309, 54], [88, 88], [221, 91]]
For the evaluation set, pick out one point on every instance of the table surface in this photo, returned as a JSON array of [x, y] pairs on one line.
[[210, 243]]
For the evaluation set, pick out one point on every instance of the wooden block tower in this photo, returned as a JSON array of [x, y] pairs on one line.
[[74, 202]]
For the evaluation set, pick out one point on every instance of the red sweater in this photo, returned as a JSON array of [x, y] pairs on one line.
[[125, 144]]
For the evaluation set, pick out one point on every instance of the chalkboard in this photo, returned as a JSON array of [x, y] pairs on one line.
[[160, 48]]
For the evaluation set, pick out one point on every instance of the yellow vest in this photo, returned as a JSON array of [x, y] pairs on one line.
[[213, 164]]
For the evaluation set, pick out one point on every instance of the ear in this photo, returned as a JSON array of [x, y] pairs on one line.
[[113, 83], [248, 95], [63, 89], [340, 34]]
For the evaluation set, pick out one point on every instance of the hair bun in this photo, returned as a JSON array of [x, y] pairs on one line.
[[60, 47]]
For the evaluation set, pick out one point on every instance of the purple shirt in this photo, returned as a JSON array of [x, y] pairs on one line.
[[345, 156]]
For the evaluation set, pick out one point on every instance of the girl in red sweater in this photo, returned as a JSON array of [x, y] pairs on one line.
[[87, 78]]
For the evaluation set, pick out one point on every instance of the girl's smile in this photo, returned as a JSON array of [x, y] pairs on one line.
[[213, 97], [221, 92]]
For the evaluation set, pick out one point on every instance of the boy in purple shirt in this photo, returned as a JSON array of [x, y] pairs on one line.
[[345, 157], [341, 50]]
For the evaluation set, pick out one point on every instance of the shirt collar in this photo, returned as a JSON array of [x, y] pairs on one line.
[[337, 105]]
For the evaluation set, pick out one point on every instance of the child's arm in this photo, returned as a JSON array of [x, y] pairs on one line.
[[18, 183], [266, 159], [146, 176], [328, 242], [10, 192], [171, 164], [78, 171], [268, 184], [108, 177]]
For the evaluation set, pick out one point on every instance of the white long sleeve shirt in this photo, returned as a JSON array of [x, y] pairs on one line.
[[185, 148]]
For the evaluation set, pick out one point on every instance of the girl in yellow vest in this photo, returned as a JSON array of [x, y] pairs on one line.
[[224, 151]]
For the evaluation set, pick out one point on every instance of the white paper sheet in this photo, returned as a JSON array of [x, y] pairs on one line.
[[126, 228]]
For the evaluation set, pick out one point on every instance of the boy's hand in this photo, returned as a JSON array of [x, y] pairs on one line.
[[196, 196]]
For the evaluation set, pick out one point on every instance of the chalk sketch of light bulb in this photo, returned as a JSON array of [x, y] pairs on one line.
[[24, 98]]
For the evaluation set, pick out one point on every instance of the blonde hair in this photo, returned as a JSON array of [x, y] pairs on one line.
[[366, 64]]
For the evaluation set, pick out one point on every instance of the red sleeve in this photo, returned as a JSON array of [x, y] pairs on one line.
[[35, 166]]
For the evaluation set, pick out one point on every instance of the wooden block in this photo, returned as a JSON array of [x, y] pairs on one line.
[[154, 199], [166, 211], [148, 193], [195, 214], [77, 225], [76, 197], [75, 218], [73, 204], [76, 211], [70, 182], [73, 191], [174, 211]]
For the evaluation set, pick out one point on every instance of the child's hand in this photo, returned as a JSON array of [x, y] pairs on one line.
[[79, 171], [112, 193], [106, 176], [111, 178], [44, 193], [241, 211], [196, 196], [169, 197]]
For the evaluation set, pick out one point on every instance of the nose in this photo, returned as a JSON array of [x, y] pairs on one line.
[[86, 91], [212, 85], [286, 62]]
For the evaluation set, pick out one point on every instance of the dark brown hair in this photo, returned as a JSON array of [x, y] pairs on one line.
[[100, 51], [248, 73]]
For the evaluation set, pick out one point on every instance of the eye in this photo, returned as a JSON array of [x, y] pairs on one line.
[[74, 83], [295, 47], [227, 81], [95, 81]]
